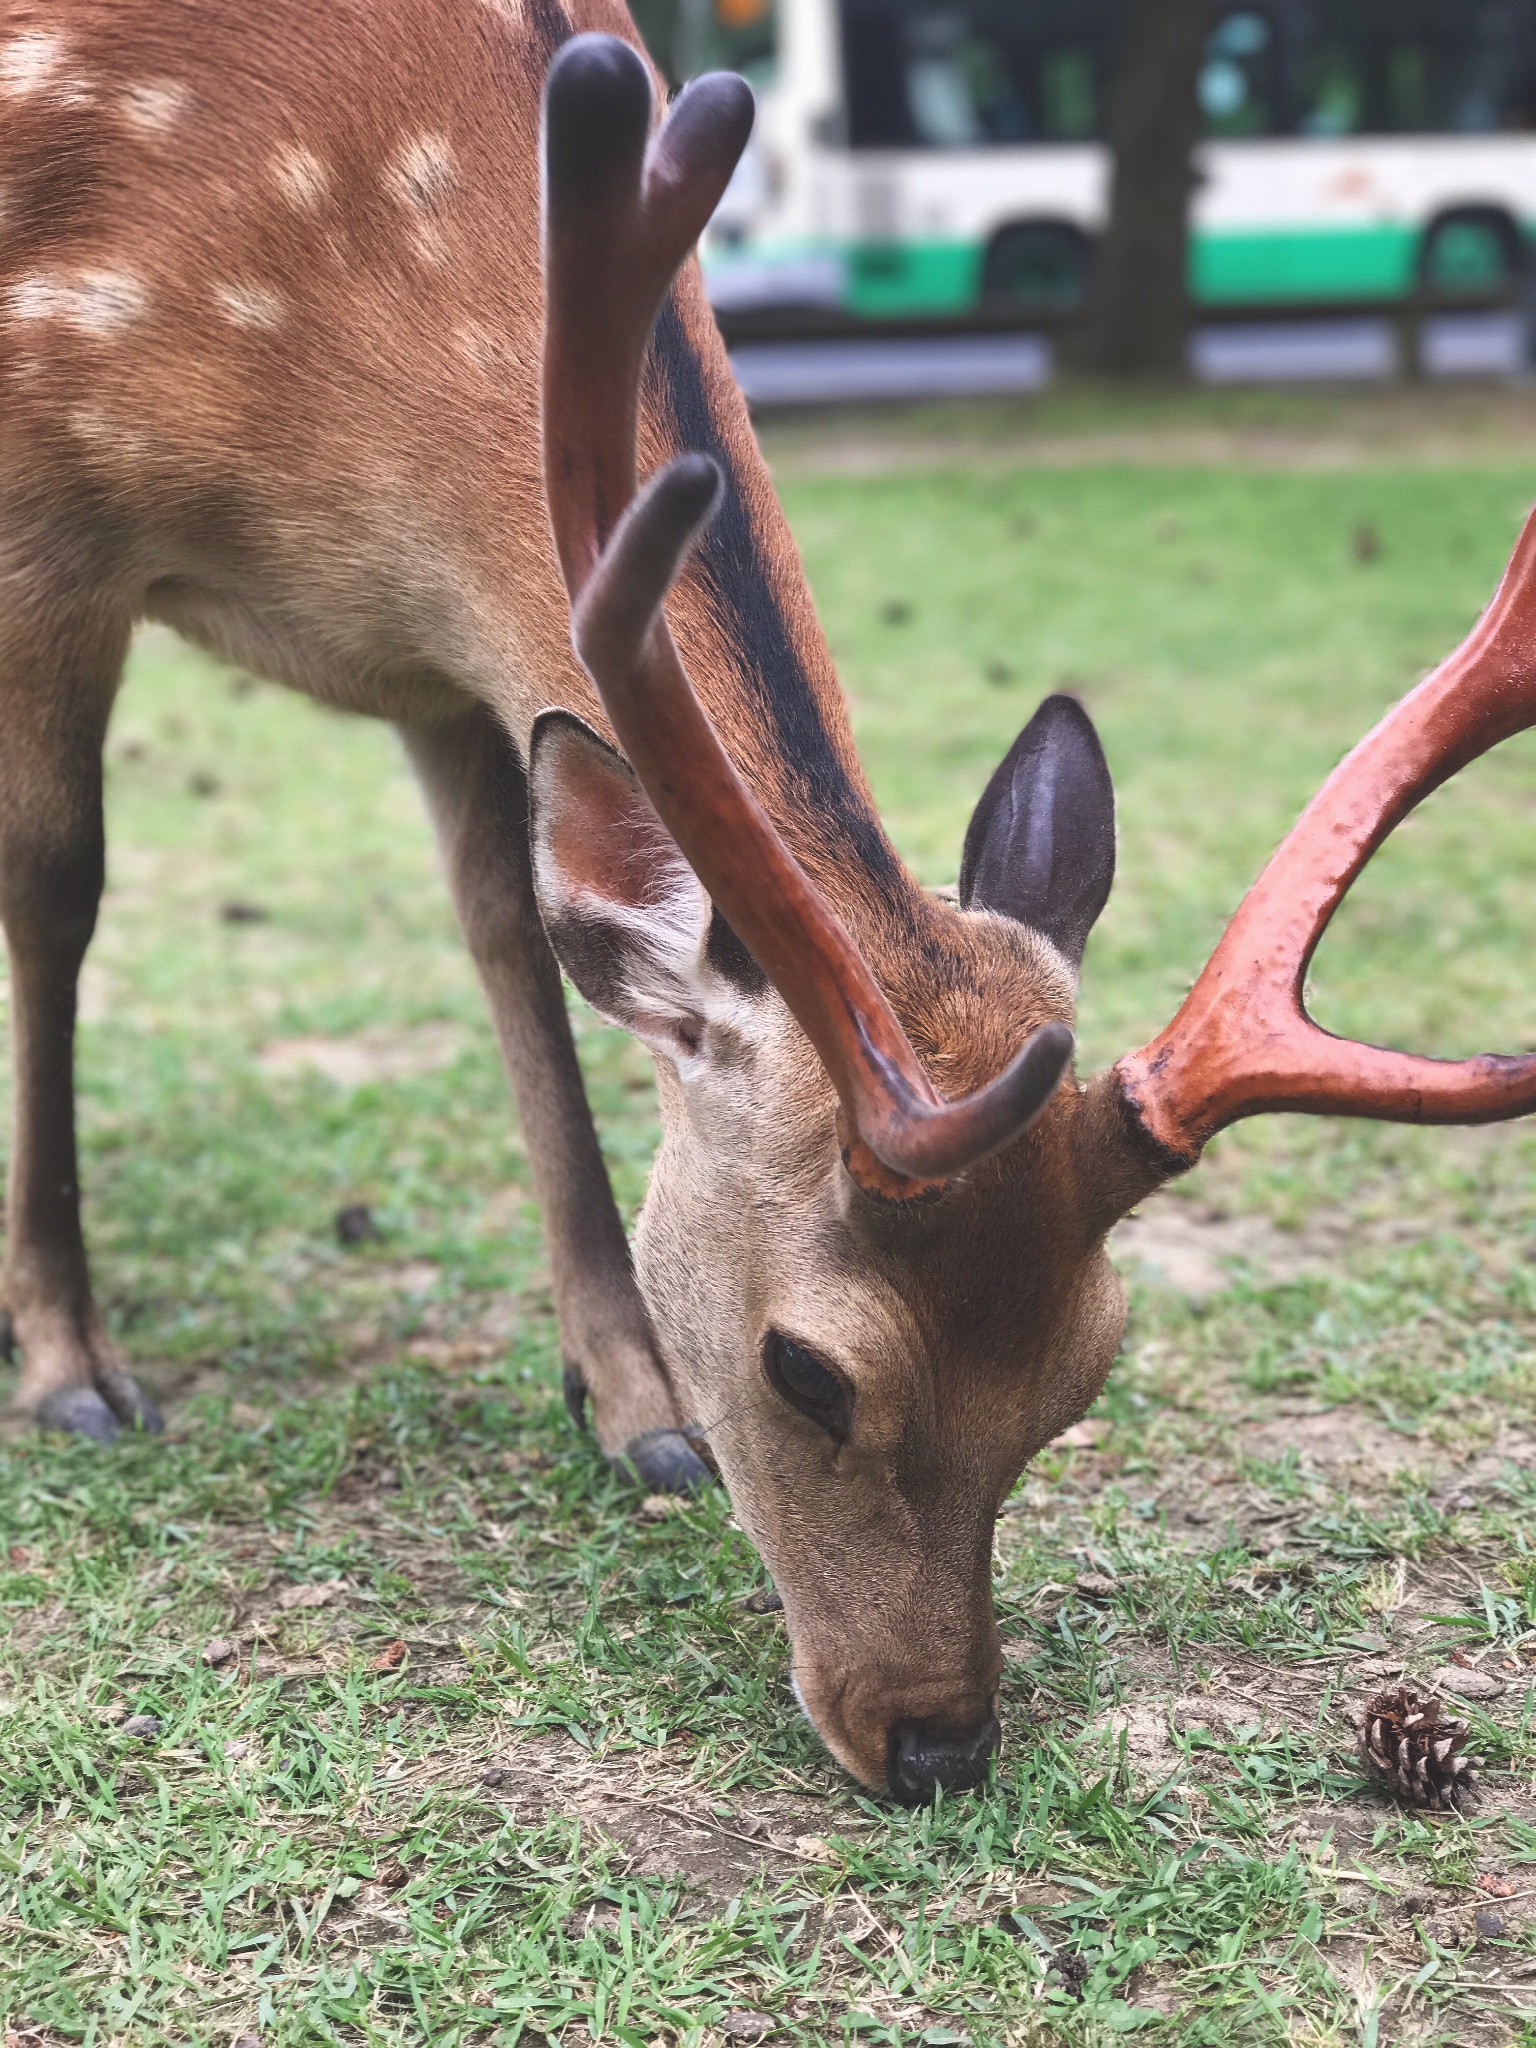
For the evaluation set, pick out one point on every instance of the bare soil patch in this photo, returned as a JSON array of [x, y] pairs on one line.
[[384, 1053], [1197, 1248]]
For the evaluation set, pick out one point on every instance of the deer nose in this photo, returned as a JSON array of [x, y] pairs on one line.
[[919, 1758]]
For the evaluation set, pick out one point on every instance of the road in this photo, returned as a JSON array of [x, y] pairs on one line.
[[879, 368]]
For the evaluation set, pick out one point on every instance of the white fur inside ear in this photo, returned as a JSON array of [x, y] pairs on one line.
[[638, 962], [627, 917], [658, 956]]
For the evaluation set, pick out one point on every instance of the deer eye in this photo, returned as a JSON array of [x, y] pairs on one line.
[[799, 1377]]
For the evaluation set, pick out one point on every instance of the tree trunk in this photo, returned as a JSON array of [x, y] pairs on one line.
[[1138, 317]]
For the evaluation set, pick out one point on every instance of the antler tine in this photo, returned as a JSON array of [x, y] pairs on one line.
[[1242, 1042], [618, 223]]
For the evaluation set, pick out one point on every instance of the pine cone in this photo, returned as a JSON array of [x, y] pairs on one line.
[[1406, 1747]]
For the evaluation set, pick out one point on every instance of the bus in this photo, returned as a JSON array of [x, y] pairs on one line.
[[939, 160]]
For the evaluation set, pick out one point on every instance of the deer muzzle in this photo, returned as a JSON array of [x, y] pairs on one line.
[[905, 1731], [921, 1759]]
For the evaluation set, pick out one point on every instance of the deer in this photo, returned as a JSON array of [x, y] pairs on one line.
[[304, 357]]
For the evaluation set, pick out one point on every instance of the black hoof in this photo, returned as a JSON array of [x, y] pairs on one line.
[[663, 1461], [575, 1396], [131, 1405], [80, 1411]]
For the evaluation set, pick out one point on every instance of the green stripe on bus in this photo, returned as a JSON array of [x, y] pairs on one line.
[[897, 279], [886, 279], [1306, 263], [891, 279]]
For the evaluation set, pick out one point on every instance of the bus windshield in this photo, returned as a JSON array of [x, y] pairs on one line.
[[967, 74]]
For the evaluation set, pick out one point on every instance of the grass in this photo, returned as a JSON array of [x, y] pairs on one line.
[[498, 1753]]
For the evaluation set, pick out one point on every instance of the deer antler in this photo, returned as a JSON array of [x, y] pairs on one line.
[[619, 219], [1242, 1042]]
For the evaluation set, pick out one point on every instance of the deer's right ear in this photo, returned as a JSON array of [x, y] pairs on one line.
[[626, 915], [1040, 846]]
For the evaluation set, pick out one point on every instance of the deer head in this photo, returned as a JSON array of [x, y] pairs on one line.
[[873, 1244]]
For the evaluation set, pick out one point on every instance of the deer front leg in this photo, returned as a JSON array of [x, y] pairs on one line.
[[478, 797], [55, 692]]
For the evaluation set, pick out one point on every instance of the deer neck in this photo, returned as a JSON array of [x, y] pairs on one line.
[[747, 629]]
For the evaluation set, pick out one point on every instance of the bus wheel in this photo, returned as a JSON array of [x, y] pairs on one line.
[[1036, 266], [1473, 253]]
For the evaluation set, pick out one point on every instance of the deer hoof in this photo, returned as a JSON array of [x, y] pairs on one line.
[[130, 1404], [79, 1411], [663, 1461]]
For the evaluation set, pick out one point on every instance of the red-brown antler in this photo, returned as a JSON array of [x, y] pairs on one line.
[[619, 219], [1242, 1042]]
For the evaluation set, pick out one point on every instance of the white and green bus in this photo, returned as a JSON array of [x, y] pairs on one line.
[[932, 160]]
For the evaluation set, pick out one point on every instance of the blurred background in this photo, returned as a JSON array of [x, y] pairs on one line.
[[966, 195], [1166, 353]]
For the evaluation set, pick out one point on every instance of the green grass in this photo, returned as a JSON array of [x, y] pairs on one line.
[[578, 1803]]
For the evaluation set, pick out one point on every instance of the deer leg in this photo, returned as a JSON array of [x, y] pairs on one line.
[[56, 686], [478, 796]]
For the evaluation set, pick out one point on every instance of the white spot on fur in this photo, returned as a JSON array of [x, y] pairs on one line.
[[421, 173], [156, 107], [28, 62], [104, 435], [250, 305], [100, 302], [302, 178]]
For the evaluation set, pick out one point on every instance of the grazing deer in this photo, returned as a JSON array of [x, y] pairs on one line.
[[270, 318]]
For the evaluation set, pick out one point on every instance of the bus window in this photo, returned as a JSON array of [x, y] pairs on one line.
[[1068, 96], [1240, 78], [939, 96], [1417, 67], [1334, 100], [994, 92], [875, 78], [1408, 93], [963, 74], [922, 75]]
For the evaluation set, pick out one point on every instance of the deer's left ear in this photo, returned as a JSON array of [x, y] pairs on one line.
[[1040, 846], [626, 915]]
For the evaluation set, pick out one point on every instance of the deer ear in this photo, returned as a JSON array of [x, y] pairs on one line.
[[626, 915], [1040, 846]]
